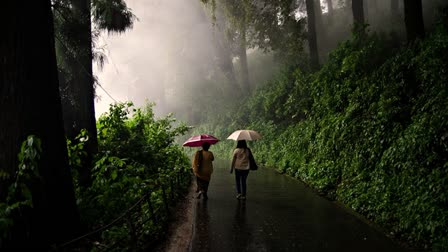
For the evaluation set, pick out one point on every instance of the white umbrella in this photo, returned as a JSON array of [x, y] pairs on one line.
[[244, 135]]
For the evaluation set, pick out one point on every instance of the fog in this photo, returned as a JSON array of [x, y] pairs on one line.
[[170, 43], [169, 55]]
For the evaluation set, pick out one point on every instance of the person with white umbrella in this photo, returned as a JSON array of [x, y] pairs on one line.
[[243, 160]]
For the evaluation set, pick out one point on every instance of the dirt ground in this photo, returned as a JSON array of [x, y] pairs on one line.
[[180, 231]]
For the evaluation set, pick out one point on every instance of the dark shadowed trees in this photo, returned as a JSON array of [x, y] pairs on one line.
[[75, 55], [321, 30], [83, 85], [318, 15], [264, 25], [358, 11], [224, 57], [413, 19], [223, 50], [30, 104], [275, 26], [394, 7], [232, 18], [237, 14], [312, 36], [242, 55], [394, 10], [330, 7]]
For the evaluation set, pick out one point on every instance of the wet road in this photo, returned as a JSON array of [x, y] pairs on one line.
[[280, 214]]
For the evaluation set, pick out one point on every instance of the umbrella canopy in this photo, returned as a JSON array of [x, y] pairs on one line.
[[197, 141], [244, 135]]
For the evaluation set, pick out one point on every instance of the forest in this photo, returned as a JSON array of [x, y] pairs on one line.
[[350, 97]]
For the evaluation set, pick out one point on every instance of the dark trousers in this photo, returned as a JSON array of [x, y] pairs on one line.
[[240, 179], [202, 185]]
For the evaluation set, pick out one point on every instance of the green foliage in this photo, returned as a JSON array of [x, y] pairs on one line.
[[76, 152], [142, 138], [368, 129], [136, 155], [19, 197], [266, 25], [113, 16]]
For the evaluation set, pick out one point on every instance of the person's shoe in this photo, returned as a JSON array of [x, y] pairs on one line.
[[199, 195], [238, 196]]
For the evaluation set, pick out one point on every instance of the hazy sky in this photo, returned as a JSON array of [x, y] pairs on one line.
[[168, 34], [170, 48], [159, 57], [153, 59]]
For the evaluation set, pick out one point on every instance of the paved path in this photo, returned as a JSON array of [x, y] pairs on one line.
[[280, 214]]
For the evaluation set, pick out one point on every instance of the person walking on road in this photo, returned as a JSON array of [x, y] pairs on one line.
[[203, 169], [241, 165]]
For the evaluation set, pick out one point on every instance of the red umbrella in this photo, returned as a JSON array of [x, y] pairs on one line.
[[197, 141]]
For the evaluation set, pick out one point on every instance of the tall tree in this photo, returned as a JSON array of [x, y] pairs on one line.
[[274, 26], [312, 36], [30, 104], [358, 11], [318, 14], [223, 50], [242, 55], [74, 51], [75, 56], [413, 18], [224, 58], [267, 25], [330, 8], [320, 28], [236, 25], [394, 4], [237, 13], [83, 85]]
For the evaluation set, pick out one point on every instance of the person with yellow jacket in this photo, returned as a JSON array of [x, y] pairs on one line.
[[203, 168]]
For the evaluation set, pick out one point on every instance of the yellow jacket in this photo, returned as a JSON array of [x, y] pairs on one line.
[[207, 165]]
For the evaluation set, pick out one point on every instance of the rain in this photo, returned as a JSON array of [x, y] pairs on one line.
[[224, 125]]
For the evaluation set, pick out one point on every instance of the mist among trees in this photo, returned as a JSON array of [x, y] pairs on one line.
[[199, 51], [352, 92]]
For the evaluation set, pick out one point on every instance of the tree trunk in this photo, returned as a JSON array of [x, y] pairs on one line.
[[348, 5], [394, 8], [223, 50], [367, 11], [358, 11], [330, 11], [312, 37], [31, 104], [83, 83], [243, 61], [224, 57], [330, 7], [371, 11], [413, 18], [318, 15], [320, 28]]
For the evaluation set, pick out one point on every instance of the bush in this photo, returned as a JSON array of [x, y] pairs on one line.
[[136, 154], [368, 129]]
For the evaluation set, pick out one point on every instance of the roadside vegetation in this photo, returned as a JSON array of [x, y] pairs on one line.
[[365, 124], [137, 157], [368, 129]]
